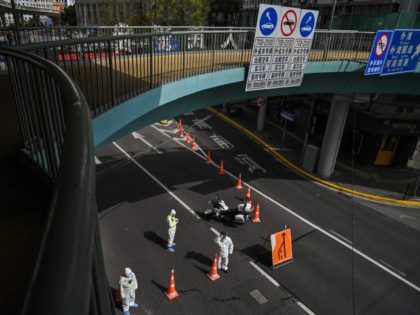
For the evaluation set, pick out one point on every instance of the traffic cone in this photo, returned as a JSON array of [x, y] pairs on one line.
[[213, 275], [193, 144], [180, 125], [239, 182], [256, 216], [181, 133], [188, 137], [208, 161], [221, 170], [171, 293], [248, 194]]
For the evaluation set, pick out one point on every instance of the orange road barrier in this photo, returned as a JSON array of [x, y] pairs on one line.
[[213, 275], [239, 182], [256, 216], [208, 161], [248, 194], [171, 293], [193, 144], [221, 170], [188, 137]]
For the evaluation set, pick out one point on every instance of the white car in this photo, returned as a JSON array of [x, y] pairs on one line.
[[306, 28], [267, 26]]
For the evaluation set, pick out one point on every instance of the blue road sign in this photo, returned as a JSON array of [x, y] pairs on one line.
[[403, 53], [307, 25], [287, 115], [378, 53], [268, 21]]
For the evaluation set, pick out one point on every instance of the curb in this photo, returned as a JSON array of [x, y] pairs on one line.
[[300, 171]]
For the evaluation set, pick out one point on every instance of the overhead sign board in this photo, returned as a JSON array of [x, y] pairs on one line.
[[404, 52], [283, 39], [281, 248], [378, 52]]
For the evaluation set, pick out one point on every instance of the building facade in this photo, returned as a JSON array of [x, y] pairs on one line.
[[348, 14]]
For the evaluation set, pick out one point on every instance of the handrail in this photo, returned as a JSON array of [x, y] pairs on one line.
[[69, 269], [113, 69]]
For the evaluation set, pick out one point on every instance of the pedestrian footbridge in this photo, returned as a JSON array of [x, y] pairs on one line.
[[127, 79]]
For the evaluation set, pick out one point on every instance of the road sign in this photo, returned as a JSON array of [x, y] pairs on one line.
[[287, 115], [268, 21], [280, 53], [281, 248], [307, 23], [378, 52], [289, 21], [403, 53]]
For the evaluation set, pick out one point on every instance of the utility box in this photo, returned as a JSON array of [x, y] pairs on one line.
[[310, 157]]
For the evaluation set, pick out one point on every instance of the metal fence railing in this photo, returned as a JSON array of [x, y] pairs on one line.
[[69, 275], [113, 69]]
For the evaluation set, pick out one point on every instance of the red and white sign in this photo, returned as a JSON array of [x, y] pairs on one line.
[[289, 21], [381, 45]]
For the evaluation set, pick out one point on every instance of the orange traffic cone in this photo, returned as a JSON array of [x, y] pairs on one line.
[[256, 216], [239, 182], [221, 170], [188, 137], [180, 125], [248, 194], [208, 161], [193, 144], [171, 293], [213, 275], [181, 133]]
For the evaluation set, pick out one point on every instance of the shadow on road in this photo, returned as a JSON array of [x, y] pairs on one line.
[[160, 287], [259, 253], [116, 298], [202, 259], [153, 237], [204, 271]]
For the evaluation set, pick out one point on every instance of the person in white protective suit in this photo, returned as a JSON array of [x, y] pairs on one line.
[[172, 221], [128, 287], [225, 249]]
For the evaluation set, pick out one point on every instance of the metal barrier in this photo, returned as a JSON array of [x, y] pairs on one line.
[[113, 69], [69, 275]]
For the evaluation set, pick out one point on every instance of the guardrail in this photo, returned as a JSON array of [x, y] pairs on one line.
[[69, 275], [113, 69]]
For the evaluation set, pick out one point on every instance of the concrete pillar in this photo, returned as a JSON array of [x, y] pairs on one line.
[[84, 14], [261, 114], [3, 19], [98, 20], [333, 134]]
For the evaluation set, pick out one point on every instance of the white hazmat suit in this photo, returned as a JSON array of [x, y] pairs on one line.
[[172, 222], [128, 287], [225, 249]]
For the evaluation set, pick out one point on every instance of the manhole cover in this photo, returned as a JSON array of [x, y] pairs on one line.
[[257, 295]]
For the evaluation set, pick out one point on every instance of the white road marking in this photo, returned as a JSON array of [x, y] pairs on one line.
[[158, 181], [136, 135], [214, 231], [340, 236], [349, 247], [393, 268], [266, 275], [97, 161], [305, 308]]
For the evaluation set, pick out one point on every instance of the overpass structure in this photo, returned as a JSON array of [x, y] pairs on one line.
[[129, 81]]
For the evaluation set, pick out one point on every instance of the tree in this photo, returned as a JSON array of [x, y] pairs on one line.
[[68, 16], [224, 12]]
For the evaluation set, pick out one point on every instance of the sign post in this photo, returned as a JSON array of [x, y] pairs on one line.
[[281, 248]]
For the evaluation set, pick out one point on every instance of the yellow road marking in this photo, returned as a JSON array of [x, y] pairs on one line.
[[289, 164]]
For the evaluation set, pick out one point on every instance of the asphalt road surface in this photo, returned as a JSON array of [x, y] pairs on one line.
[[368, 267]]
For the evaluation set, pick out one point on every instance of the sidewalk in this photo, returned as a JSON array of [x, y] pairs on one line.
[[385, 182]]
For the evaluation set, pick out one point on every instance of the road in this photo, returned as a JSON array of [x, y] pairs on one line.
[[369, 267]]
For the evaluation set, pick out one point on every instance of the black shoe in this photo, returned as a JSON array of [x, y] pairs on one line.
[[225, 270]]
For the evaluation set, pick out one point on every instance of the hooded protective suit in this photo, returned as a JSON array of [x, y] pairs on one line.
[[128, 286], [225, 248]]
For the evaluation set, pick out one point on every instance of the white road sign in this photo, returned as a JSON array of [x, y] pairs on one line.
[[283, 39]]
